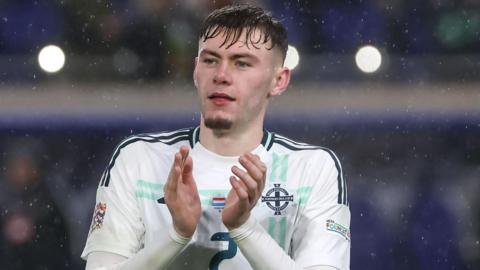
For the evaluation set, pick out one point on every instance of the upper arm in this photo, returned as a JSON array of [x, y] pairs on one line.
[[117, 225], [322, 236]]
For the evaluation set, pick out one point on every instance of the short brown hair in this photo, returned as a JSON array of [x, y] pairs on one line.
[[233, 20]]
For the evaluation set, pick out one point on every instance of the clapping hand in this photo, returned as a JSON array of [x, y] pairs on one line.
[[181, 195], [247, 187]]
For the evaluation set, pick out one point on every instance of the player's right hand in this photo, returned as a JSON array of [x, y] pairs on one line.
[[181, 195]]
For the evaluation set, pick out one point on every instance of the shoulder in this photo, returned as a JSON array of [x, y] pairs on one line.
[[320, 162], [165, 139], [138, 148], [286, 145]]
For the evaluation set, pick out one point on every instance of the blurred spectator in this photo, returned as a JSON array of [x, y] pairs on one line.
[[159, 38], [33, 234], [147, 39]]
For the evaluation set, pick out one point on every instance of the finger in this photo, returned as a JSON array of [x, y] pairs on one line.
[[187, 176], [188, 165], [251, 186], [256, 168], [240, 191], [257, 161], [184, 153], [252, 166], [260, 165], [175, 173]]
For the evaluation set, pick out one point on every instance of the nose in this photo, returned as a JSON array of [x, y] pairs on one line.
[[222, 74]]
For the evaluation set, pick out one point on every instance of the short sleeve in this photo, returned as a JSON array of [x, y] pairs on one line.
[[117, 225], [322, 235]]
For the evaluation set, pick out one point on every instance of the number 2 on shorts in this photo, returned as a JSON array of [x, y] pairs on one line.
[[224, 254]]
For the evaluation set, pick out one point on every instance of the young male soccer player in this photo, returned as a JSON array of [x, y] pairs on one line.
[[227, 194]]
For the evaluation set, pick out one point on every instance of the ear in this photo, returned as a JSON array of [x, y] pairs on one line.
[[281, 81], [195, 62]]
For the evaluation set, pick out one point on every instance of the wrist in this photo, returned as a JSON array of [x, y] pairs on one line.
[[177, 237], [237, 224], [243, 231], [183, 233]]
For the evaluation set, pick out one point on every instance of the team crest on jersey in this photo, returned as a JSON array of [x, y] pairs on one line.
[[332, 226], [277, 199], [98, 216]]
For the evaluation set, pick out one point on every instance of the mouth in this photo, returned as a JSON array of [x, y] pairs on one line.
[[220, 98]]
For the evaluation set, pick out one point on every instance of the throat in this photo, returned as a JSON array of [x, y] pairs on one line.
[[228, 142]]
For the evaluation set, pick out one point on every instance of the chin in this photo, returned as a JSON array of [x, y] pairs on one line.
[[217, 123]]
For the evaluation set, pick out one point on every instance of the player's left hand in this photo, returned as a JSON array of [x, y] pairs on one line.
[[247, 187]]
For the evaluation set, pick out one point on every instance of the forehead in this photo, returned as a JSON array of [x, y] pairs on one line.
[[225, 42]]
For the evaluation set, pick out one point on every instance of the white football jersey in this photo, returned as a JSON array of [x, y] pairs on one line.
[[304, 206]]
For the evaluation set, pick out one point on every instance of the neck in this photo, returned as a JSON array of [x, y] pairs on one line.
[[233, 142]]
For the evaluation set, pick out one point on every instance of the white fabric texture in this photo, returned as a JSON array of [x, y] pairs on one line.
[[303, 208]]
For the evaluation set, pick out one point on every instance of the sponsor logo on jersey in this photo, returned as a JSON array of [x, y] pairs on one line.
[[277, 199], [98, 216], [218, 203], [332, 226]]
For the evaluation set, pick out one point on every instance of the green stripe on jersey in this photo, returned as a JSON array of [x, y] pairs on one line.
[[148, 190], [147, 195], [154, 191], [278, 172], [303, 195], [149, 185], [277, 228], [213, 192]]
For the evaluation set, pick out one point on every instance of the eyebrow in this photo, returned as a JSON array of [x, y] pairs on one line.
[[233, 57]]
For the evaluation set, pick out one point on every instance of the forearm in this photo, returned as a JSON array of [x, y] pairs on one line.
[[262, 252], [156, 256]]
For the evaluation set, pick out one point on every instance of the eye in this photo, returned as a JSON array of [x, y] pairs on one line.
[[209, 61], [243, 64]]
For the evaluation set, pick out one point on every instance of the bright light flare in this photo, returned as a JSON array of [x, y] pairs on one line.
[[293, 57], [51, 58], [368, 59]]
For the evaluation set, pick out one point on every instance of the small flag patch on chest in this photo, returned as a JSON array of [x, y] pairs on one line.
[[218, 202]]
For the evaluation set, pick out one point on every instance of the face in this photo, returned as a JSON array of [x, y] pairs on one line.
[[234, 84]]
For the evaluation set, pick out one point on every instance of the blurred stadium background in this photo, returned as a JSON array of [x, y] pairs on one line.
[[407, 131]]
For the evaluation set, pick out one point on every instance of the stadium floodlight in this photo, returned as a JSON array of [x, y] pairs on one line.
[[51, 58], [292, 58], [368, 59]]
